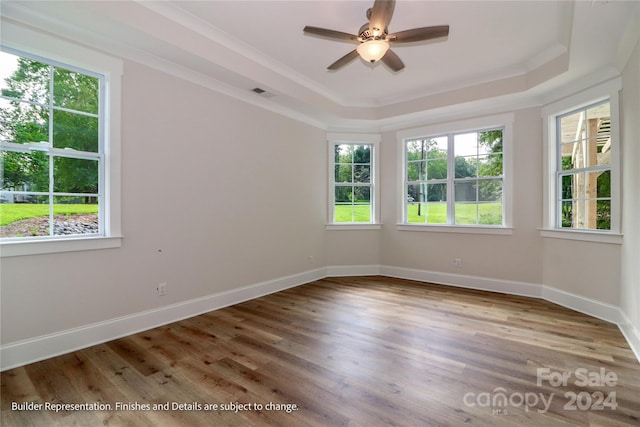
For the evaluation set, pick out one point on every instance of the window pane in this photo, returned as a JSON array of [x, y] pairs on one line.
[[337, 153], [343, 212], [587, 214], [466, 213], [362, 194], [352, 204], [362, 213], [574, 156], [26, 79], [465, 191], [437, 192], [75, 215], [437, 148], [75, 131], [490, 142], [417, 213], [75, 91], [416, 170], [490, 213], [361, 173], [343, 194], [24, 171], [436, 213], [490, 165], [362, 207], [466, 203], [437, 169], [603, 152], [24, 215], [465, 167], [427, 213], [10, 65], [603, 221], [566, 214], [572, 127], [352, 213], [416, 193], [417, 150], [599, 133], [344, 173], [362, 154], [465, 144], [490, 198], [75, 175], [603, 183], [573, 186], [584, 190], [566, 188], [21, 122], [589, 185], [490, 190]]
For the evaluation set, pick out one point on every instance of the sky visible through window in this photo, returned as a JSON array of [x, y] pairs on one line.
[[8, 64]]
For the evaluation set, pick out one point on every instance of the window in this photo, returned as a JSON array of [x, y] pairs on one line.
[[582, 165], [51, 150], [353, 191], [583, 169], [455, 178], [59, 145]]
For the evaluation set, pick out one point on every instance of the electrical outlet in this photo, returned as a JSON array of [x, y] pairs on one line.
[[310, 259], [457, 262], [162, 289]]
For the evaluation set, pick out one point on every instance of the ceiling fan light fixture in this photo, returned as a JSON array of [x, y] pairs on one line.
[[372, 50]]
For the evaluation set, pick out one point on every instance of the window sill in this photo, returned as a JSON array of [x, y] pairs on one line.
[[462, 229], [353, 226], [585, 236], [70, 244]]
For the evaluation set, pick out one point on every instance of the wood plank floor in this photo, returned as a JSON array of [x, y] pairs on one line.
[[362, 351]]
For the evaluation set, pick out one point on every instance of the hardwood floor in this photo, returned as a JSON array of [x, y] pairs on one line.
[[363, 351]]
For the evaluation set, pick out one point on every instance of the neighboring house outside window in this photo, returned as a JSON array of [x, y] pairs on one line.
[[59, 146], [353, 198], [455, 175], [582, 168]]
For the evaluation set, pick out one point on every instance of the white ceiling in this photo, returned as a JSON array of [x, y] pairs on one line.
[[498, 50]]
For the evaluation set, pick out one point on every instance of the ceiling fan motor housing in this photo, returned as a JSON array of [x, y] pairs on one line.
[[365, 33]]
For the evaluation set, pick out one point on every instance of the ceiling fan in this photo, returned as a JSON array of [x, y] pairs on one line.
[[374, 37]]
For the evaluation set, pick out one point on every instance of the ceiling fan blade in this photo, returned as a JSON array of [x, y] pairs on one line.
[[381, 14], [344, 60], [419, 34], [339, 35], [392, 60]]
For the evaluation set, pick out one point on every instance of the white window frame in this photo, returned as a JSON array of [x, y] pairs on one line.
[[21, 39], [373, 140], [504, 121], [551, 229]]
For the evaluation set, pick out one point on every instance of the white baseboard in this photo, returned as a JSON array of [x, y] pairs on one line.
[[601, 310], [32, 350], [631, 334], [35, 349], [353, 270], [462, 281]]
